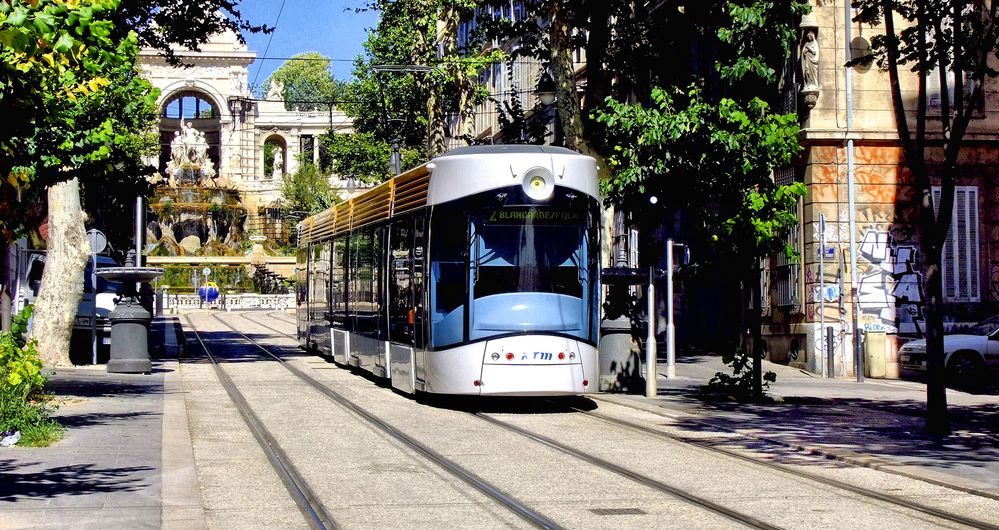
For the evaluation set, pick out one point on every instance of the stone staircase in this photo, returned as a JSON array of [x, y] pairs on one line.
[[267, 281]]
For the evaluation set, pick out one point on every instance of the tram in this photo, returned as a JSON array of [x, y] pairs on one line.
[[476, 273]]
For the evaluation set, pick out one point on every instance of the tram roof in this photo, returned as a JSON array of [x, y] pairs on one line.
[[507, 149], [405, 192]]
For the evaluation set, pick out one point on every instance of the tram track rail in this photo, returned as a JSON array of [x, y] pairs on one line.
[[707, 447], [783, 468], [305, 498], [509, 502], [650, 482]]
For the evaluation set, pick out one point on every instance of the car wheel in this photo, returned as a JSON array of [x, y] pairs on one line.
[[965, 369]]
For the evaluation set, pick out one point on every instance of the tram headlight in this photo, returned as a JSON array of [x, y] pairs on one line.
[[539, 183], [495, 356]]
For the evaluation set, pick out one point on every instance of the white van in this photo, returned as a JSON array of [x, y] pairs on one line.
[[31, 265]]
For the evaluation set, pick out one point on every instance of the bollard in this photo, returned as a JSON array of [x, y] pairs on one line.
[[830, 359]]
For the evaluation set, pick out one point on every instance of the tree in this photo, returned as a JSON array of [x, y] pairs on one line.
[[165, 24], [360, 155], [307, 190], [60, 73], [711, 147], [953, 41], [308, 82]]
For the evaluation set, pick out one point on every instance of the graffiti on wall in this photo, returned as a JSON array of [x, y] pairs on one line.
[[890, 290]]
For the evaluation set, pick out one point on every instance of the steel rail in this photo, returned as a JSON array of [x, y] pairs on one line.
[[864, 492], [636, 477], [509, 502], [306, 499], [955, 518]]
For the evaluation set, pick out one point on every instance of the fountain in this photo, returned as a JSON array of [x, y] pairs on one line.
[[130, 320]]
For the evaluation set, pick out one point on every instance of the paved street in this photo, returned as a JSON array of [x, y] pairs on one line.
[[172, 449]]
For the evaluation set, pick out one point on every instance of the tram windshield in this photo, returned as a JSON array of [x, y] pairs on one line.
[[515, 267]]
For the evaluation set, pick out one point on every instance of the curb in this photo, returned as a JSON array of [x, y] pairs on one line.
[[972, 487]]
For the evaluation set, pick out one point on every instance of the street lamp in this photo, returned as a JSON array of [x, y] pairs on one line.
[[546, 88]]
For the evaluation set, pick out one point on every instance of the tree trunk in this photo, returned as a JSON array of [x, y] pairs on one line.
[[62, 283], [567, 99]]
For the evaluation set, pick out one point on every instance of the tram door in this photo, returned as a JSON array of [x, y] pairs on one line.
[[406, 319]]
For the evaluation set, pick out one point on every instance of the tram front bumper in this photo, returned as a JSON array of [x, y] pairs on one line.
[[534, 380]]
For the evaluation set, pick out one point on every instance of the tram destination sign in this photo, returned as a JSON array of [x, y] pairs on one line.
[[518, 215]]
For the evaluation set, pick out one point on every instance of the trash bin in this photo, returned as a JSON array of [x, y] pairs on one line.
[[874, 354]]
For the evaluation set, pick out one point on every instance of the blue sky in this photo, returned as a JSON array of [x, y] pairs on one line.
[[330, 27]]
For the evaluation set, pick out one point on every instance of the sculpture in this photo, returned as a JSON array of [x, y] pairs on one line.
[[189, 158], [276, 91], [278, 164], [810, 60]]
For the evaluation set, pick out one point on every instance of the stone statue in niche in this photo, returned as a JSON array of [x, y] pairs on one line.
[[278, 164], [189, 160], [810, 60], [810, 65]]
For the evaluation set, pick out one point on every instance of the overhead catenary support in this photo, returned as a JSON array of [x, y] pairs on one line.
[[858, 358]]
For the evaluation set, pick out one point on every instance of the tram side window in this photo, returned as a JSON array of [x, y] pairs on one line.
[[366, 269], [402, 314], [338, 287], [301, 276], [419, 271], [449, 234]]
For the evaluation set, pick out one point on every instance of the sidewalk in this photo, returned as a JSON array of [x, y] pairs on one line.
[[121, 463], [878, 423]]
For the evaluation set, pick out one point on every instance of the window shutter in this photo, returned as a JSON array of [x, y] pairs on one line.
[[961, 281], [974, 294]]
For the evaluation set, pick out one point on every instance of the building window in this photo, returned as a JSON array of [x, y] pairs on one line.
[[785, 274], [960, 252]]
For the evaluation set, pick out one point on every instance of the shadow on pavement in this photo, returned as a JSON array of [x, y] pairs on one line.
[[69, 480], [864, 426], [71, 421]]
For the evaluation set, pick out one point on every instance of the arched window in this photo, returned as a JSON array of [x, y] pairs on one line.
[[189, 106], [200, 112]]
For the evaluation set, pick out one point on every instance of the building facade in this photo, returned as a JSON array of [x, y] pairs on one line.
[[804, 300], [211, 121]]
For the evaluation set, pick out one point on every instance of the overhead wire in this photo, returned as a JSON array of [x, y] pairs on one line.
[[269, 39]]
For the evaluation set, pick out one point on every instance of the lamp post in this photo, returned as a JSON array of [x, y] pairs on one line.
[[395, 162]]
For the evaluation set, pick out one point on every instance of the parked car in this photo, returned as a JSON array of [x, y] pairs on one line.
[[104, 295], [31, 266], [968, 355]]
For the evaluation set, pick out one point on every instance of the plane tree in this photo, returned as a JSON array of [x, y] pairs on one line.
[[956, 45]]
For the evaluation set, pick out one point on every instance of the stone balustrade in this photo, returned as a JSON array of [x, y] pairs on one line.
[[179, 303]]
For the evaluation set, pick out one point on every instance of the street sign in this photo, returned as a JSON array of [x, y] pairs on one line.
[[206, 271], [829, 254], [98, 241]]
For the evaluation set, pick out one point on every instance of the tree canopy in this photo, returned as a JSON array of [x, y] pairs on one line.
[[60, 72], [308, 82]]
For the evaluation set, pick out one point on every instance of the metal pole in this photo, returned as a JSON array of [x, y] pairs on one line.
[[858, 358], [822, 294], [670, 328], [396, 160], [140, 229], [93, 306], [829, 351], [651, 388]]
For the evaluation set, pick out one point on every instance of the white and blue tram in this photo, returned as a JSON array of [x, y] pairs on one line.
[[476, 273]]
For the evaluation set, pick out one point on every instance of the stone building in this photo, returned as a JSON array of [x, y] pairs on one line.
[[883, 242], [210, 103]]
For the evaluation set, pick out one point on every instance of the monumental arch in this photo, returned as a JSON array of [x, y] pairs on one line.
[[210, 121]]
